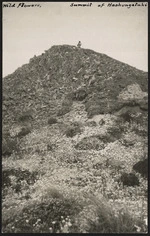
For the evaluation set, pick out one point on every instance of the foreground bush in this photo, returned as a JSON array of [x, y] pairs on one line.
[[52, 120], [100, 217], [41, 216], [60, 213], [9, 145]]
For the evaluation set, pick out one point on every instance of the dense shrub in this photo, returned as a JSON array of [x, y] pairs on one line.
[[142, 167], [89, 143], [25, 116], [24, 131], [9, 145], [59, 213], [20, 176], [80, 94], [102, 218], [43, 216], [126, 116], [129, 179], [114, 133], [73, 130], [64, 110], [52, 120], [93, 110]]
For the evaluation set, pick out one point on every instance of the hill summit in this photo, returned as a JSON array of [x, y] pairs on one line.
[[49, 83]]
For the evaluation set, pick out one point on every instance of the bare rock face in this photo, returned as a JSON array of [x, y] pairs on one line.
[[142, 167]]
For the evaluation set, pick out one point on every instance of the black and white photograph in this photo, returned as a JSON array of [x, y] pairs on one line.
[[75, 117]]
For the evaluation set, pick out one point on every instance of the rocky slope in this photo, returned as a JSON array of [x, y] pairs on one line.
[[65, 73]]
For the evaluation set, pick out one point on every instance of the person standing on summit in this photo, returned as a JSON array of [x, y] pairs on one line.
[[79, 44]]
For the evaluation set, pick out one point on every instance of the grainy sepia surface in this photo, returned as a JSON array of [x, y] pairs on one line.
[[74, 123]]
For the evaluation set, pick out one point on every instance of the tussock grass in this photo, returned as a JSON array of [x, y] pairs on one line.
[[86, 213]]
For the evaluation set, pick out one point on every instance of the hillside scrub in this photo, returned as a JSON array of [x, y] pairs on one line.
[[26, 116], [60, 213], [52, 121], [80, 94], [24, 131], [63, 110], [90, 143], [73, 130], [9, 145]]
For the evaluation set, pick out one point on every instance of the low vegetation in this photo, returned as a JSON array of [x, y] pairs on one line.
[[57, 212], [64, 110], [73, 130], [24, 131], [9, 145], [52, 121]]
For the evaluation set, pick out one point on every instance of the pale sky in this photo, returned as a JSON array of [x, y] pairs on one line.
[[119, 32]]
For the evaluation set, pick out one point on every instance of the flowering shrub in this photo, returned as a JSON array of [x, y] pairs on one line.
[[69, 214], [43, 216]]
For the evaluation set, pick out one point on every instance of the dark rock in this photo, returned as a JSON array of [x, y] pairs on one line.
[[142, 167], [129, 179]]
